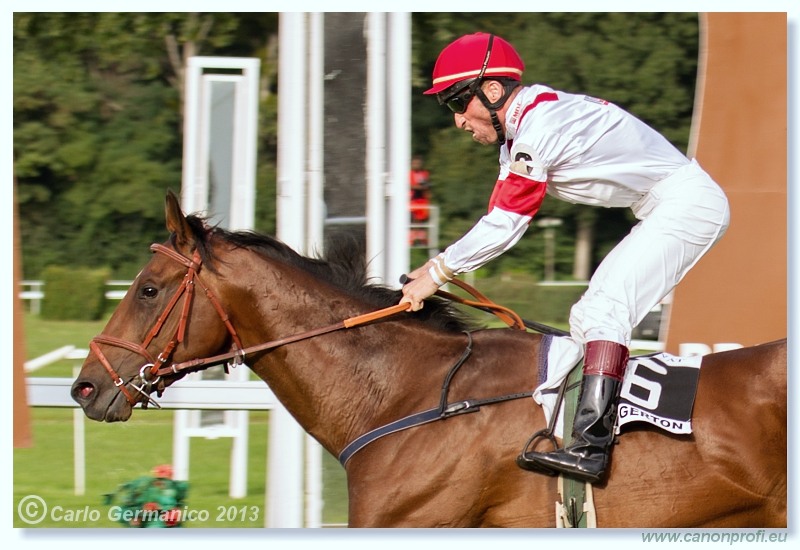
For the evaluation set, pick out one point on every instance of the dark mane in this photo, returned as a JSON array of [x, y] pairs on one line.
[[343, 265]]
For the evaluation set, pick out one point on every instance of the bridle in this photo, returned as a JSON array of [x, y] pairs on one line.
[[151, 372]]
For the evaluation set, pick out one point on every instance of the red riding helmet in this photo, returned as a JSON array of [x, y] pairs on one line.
[[464, 58]]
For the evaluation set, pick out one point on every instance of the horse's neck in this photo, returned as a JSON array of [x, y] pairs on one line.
[[334, 384], [337, 385]]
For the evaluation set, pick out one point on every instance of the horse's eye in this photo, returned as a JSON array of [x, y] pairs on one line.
[[149, 292]]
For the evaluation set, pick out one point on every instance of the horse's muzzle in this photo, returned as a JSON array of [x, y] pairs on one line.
[[98, 404]]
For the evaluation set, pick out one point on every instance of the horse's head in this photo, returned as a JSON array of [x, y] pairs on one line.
[[168, 316]]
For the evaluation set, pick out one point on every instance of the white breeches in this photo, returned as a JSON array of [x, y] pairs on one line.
[[681, 218]]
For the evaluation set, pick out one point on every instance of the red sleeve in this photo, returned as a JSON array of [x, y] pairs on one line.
[[518, 194]]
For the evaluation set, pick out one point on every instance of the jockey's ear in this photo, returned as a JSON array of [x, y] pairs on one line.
[[176, 221]]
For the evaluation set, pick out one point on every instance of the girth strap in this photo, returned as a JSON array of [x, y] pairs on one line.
[[424, 417], [442, 412]]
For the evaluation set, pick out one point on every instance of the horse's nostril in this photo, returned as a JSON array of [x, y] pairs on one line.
[[83, 390]]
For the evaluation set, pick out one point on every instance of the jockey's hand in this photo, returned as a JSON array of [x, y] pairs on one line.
[[419, 286]]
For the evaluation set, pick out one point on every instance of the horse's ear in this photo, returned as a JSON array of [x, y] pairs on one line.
[[176, 221]]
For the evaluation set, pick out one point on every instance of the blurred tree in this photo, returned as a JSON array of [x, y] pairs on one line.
[[97, 120], [97, 126]]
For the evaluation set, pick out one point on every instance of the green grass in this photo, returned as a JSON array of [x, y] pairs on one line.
[[117, 453], [120, 452]]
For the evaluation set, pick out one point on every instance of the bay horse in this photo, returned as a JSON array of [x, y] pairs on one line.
[[207, 291]]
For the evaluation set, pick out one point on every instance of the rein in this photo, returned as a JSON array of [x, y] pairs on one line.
[[482, 302], [151, 373]]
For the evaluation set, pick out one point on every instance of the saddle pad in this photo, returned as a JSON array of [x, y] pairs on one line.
[[658, 389]]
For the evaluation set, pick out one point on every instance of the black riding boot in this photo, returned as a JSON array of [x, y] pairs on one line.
[[587, 455]]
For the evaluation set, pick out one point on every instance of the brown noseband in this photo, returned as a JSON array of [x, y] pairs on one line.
[[149, 373]]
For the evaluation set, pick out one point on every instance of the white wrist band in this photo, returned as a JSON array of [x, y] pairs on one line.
[[439, 271], [435, 276]]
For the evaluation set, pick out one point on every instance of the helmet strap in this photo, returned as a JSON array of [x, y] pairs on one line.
[[501, 135], [492, 108]]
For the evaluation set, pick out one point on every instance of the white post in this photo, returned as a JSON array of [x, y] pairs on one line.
[[285, 469], [240, 422], [193, 179], [79, 445], [314, 502], [376, 145], [243, 192], [180, 445], [315, 218], [398, 76], [292, 136], [284, 501]]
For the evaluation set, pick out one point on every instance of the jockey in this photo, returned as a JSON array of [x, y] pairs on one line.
[[585, 150]]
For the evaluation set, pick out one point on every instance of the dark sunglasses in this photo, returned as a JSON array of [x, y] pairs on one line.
[[459, 102]]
